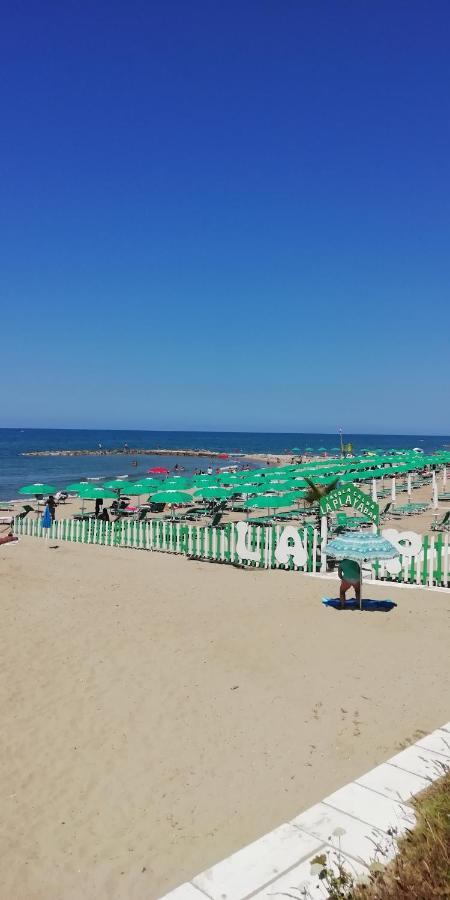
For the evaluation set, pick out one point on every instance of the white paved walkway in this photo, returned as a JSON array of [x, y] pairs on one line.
[[358, 818]]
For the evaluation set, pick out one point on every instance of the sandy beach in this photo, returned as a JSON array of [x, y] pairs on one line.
[[159, 713], [420, 523]]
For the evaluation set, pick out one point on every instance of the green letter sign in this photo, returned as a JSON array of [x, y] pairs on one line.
[[349, 495]]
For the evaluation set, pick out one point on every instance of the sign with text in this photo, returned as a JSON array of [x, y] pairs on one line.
[[349, 495]]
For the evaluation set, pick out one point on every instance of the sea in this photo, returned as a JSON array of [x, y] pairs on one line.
[[17, 470]]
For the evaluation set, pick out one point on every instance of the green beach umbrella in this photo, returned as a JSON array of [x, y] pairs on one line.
[[321, 449], [117, 484], [77, 486], [213, 493], [171, 497], [95, 492], [38, 489], [271, 502], [176, 483], [139, 488]]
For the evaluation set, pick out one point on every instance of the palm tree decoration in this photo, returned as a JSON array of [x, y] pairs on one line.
[[316, 492]]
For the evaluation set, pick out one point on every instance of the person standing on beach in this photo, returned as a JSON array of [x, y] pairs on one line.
[[350, 574], [52, 507]]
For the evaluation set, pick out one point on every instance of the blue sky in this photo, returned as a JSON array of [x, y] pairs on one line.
[[226, 215]]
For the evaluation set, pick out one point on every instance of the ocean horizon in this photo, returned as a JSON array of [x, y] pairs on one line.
[[17, 470]]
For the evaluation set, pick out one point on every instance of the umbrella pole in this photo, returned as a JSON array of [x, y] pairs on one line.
[[360, 588]]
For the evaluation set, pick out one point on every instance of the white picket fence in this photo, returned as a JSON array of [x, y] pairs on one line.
[[423, 561]]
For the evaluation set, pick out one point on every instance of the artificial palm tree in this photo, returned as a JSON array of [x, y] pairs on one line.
[[316, 492]]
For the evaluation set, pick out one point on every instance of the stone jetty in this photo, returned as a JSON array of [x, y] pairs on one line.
[[128, 451]]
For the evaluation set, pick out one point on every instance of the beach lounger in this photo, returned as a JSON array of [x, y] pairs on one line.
[[442, 524], [445, 496], [409, 509], [344, 521], [26, 509], [6, 520], [6, 505]]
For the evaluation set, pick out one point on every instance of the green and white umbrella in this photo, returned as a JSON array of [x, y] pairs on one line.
[[77, 486], [171, 497], [38, 489], [212, 493], [139, 488], [117, 484], [178, 483], [360, 546], [271, 502], [95, 492]]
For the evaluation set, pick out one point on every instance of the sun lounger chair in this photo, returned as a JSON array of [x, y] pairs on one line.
[[409, 509], [442, 524], [6, 505], [344, 521], [442, 497], [216, 519], [6, 520], [26, 509]]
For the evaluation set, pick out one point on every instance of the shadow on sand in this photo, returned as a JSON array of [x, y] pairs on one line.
[[367, 605]]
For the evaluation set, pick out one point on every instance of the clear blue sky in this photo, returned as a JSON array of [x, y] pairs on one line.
[[226, 215]]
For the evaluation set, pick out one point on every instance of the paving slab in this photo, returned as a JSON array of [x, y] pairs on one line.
[[370, 807], [300, 879], [425, 763], [359, 840], [438, 742], [393, 782], [256, 865], [185, 891]]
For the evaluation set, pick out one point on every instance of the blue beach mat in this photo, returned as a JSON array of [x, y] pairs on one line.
[[367, 605]]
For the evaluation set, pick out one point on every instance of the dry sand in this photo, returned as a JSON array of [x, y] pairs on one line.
[[160, 713]]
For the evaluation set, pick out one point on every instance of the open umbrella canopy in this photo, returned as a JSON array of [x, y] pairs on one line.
[[171, 497], [361, 546], [205, 480], [77, 486], [139, 488], [95, 492], [271, 502], [117, 484], [212, 493], [176, 483], [38, 489], [248, 487], [158, 470]]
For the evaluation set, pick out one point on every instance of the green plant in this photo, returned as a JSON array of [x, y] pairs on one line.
[[420, 869], [316, 492]]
